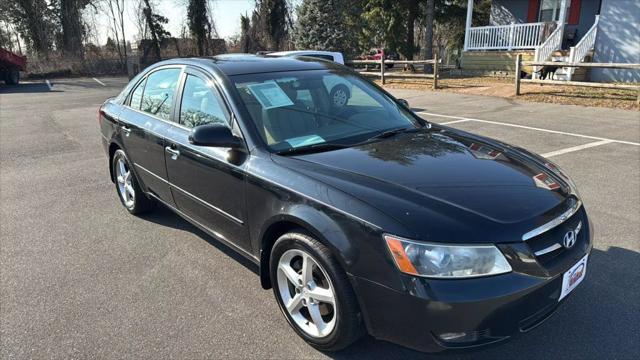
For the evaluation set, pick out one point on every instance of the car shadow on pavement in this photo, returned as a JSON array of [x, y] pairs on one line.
[[26, 88], [166, 217], [600, 320]]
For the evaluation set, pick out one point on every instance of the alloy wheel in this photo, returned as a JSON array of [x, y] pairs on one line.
[[125, 185], [307, 293], [339, 98]]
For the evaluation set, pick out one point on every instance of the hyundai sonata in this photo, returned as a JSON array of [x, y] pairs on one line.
[[362, 216]]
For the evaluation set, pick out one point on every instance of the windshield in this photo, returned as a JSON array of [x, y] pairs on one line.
[[310, 108]]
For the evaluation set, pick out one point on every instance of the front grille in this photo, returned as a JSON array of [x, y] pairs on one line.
[[548, 245]]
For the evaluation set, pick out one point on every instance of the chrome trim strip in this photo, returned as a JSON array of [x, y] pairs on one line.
[[214, 208], [547, 250], [214, 233], [553, 223], [150, 173]]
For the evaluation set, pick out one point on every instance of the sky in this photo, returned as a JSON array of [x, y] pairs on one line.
[[226, 14]]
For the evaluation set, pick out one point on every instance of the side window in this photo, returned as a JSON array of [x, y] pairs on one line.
[[158, 93], [200, 105], [136, 96]]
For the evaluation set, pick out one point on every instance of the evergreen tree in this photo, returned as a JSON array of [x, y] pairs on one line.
[[320, 26], [199, 25], [156, 23]]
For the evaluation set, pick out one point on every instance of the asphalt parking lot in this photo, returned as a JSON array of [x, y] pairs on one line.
[[81, 278]]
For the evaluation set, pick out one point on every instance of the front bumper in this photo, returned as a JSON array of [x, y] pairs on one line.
[[488, 309]]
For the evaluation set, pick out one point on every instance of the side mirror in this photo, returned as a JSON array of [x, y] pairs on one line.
[[216, 135], [403, 102]]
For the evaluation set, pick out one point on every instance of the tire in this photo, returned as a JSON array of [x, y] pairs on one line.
[[12, 77], [336, 305], [339, 96], [129, 191]]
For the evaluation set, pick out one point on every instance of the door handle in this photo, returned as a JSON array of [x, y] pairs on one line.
[[174, 153], [125, 130]]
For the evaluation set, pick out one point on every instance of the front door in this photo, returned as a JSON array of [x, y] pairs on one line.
[[205, 185], [143, 124]]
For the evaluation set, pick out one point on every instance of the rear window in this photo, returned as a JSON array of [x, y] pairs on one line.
[[158, 93]]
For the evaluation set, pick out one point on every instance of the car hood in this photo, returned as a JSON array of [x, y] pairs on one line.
[[441, 181]]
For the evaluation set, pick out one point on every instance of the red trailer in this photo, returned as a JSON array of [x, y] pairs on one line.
[[10, 66]]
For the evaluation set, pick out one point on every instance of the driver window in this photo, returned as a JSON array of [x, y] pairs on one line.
[[200, 105]]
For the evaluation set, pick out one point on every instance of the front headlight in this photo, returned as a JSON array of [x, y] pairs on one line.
[[446, 261]]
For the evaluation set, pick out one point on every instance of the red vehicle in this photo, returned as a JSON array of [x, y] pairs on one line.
[[376, 54], [10, 66]]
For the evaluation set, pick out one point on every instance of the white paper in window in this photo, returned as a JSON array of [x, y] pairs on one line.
[[270, 95]]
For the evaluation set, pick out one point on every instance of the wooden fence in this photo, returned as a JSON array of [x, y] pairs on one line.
[[384, 74], [520, 64]]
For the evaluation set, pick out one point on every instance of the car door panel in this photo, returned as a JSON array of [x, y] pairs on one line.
[[143, 127], [204, 184], [143, 139]]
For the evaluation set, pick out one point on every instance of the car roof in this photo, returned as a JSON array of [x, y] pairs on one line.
[[239, 64], [305, 52]]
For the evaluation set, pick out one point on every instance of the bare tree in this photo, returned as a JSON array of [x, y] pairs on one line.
[[114, 9]]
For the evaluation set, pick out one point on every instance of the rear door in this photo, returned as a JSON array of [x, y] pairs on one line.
[[146, 116], [205, 185]]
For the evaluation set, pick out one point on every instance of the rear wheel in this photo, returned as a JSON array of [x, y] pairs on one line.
[[129, 191], [314, 293]]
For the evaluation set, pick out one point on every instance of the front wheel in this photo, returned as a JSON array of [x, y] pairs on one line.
[[314, 293]]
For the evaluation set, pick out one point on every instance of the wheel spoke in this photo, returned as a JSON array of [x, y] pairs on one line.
[[307, 269], [127, 177], [129, 190], [322, 295], [121, 179], [121, 167], [294, 304], [314, 311], [291, 274]]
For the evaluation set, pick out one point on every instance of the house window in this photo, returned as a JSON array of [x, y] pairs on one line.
[[550, 10]]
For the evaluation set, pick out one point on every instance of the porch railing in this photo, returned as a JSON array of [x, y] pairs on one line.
[[506, 37], [579, 52], [544, 51]]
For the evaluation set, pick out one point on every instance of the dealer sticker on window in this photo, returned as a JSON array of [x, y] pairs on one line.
[[270, 95], [573, 277], [305, 140]]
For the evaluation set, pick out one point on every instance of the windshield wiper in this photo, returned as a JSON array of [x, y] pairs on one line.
[[389, 133], [312, 148]]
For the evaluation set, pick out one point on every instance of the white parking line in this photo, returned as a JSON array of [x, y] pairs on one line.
[[530, 128], [49, 85], [454, 121], [577, 148], [99, 82]]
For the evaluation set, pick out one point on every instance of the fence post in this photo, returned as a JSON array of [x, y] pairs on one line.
[[435, 70], [382, 68], [511, 35], [518, 71], [572, 60]]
